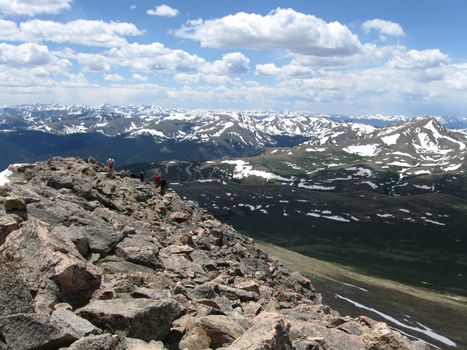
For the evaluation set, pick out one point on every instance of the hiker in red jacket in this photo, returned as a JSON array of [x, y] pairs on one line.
[[157, 179]]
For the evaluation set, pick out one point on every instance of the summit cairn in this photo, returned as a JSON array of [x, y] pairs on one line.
[[92, 262]]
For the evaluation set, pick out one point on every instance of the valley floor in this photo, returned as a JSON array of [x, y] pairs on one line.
[[437, 318]]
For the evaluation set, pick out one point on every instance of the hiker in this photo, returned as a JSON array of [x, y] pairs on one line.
[[142, 176], [111, 166], [163, 184], [157, 179]]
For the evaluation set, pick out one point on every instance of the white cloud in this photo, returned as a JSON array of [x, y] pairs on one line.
[[164, 11], [155, 57], [215, 79], [82, 32], [267, 69], [33, 7], [382, 26], [28, 55], [139, 77], [8, 29], [280, 29], [113, 77], [132, 7], [234, 62], [93, 62], [415, 59]]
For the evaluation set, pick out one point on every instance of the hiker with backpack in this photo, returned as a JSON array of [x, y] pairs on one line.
[[111, 166], [163, 185]]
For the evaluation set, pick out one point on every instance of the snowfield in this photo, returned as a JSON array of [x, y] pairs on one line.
[[4, 177], [364, 150]]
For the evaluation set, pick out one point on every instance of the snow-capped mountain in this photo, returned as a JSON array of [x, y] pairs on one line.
[[420, 146], [151, 132]]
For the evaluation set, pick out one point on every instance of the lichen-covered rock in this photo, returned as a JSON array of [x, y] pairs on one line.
[[195, 339], [178, 217], [144, 319], [137, 344], [13, 204], [34, 331], [268, 332], [8, 224], [14, 294], [100, 342], [220, 329], [50, 263], [140, 249], [74, 324]]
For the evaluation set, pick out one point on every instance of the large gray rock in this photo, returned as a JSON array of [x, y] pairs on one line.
[[195, 339], [14, 294], [74, 324], [77, 236], [269, 332], [140, 249], [137, 318], [179, 217], [50, 264], [101, 238], [237, 293], [14, 204], [137, 344], [100, 342], [220, 329], [181, 265], [8, 224], [34, 331]]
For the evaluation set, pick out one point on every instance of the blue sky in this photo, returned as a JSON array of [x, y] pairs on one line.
[[324, 56]]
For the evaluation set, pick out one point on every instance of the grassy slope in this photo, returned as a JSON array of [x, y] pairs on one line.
[[444, 313]]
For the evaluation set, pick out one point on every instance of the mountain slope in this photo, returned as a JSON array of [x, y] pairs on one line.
[[86, 260]]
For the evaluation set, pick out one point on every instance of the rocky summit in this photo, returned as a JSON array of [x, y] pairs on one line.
[[93, 262]]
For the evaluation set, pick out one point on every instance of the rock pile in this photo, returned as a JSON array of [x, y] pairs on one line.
[[91, 262]]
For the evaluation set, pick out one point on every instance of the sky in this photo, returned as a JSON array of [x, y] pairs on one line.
[[392, 57]]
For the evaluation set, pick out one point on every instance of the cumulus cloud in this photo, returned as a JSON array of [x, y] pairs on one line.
[[280, 29], [82, 32], [33, 7], [415, 59], [291, 69], [234, 62], [113, 77], [267, 69], [215, 79], [155, 57], [28, 55], [139, 77], [93, 62], [8, 29], [163, 10], [382, 26]]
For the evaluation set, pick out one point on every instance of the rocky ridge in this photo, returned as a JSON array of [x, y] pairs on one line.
[[92, 262]]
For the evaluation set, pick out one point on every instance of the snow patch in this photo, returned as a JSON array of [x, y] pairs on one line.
[[244, 169], [363, 150], [425, 330], [391, 139], [4, 176], [316, 187]]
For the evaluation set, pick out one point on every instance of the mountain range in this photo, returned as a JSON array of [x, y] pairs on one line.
[[135, 134]]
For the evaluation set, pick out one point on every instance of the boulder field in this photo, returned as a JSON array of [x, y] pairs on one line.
[[89, 262]]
